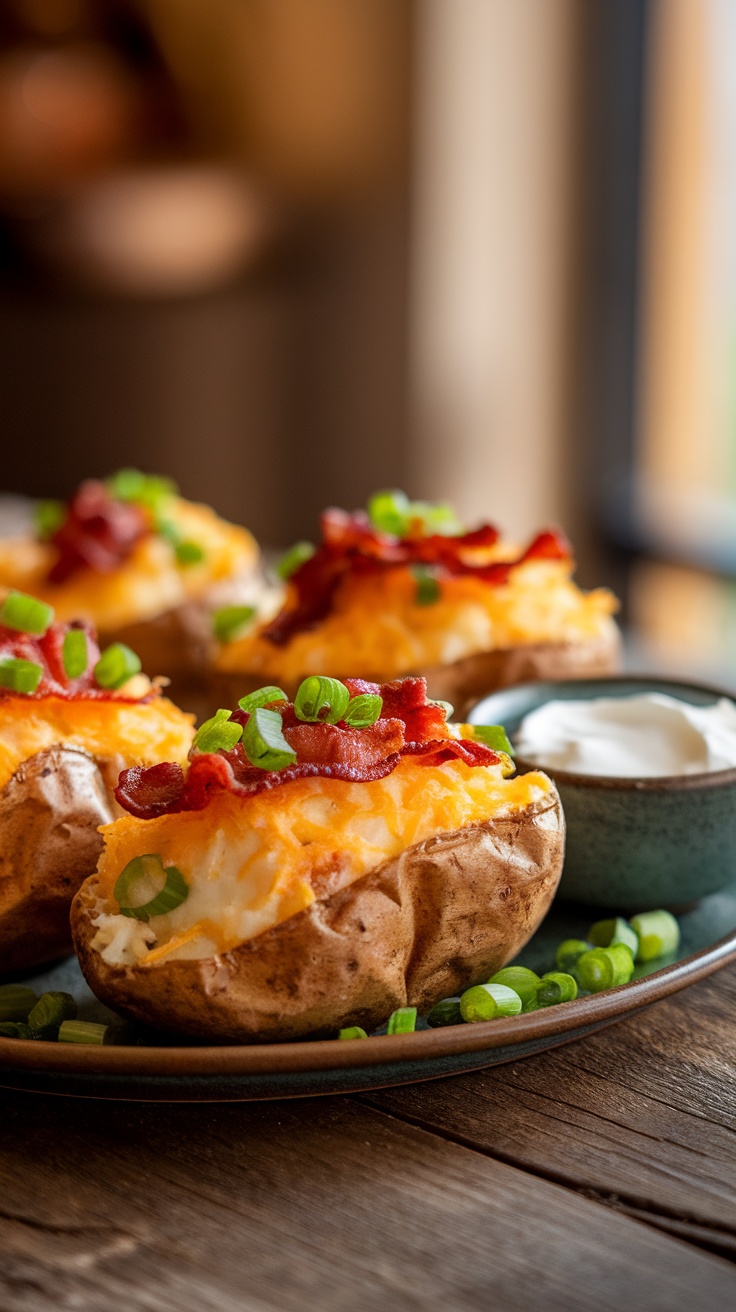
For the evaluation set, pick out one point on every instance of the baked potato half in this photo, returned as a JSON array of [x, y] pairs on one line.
[[142, 565], [63, 739], [323, 879], [402, 590]]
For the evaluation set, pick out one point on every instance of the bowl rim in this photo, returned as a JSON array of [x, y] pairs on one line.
[[663, 783]]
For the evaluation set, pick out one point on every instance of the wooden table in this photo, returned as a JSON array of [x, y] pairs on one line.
[[605, 1170]]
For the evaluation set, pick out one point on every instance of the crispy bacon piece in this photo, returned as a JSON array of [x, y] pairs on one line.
[[409, 726], [350, 545], [47, 651], [99, 533]]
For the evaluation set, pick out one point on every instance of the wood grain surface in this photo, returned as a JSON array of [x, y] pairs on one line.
[[546, 1184]]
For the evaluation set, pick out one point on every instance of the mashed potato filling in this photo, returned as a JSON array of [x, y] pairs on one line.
[[251, 863], [107, 729], [377, 627], [148, 583]]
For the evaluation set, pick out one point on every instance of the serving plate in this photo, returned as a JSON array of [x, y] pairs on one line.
[[160, 1070]]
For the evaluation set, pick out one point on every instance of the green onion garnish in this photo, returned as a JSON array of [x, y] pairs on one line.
[[605, 968], [658, 934], [262, 697], [146, 887], [294, 559], [149, 490], [20, 676], [569, 952], [363, 710], [402, 1021], [48, 516], [447, 707], [116, 665], [16, 1001], [264, 743], [389, 512], [26, 614], [232, 621], [15, 1030], [446, 1012], [524, 982], [494, 736], [74, 653], [486, 1001], [51, 1009], [321, 699], [188, 553], [555, 987], [428, 588], [352, 1032], [607, 933], [82, 1031], [220, 733]]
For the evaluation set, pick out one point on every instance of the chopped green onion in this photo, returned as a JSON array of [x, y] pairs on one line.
[[230, 622], [607, 933], [428, 588], [447, 707], [149, 490], [605, 968], [264, 743], [48, 517], [363, 710], [146, 887], [51, 1009], [524, 982], [486, 1001], [116, 665], [435, 516], [352, 1032], [294, 559], [554, 987], [219, 733], [389, 512], [494, 736], [658, 933], [402, 1021], [446, 1012], [19, 675], [15, 1030], [569, 952], [82, 1031], [262, 697], [321, 699], [26, 614], [188, 553], [16, 1001], [74, 653]]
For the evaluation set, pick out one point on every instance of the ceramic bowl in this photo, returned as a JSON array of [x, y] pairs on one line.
[[633, 844]]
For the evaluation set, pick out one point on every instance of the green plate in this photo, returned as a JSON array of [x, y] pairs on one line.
[[160, 1069]]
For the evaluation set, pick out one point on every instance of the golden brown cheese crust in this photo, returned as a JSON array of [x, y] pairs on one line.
[[444, 914]]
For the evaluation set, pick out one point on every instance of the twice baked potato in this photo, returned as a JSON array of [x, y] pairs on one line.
[[70, 719], [319, 865], [142, 565], [403, 590]]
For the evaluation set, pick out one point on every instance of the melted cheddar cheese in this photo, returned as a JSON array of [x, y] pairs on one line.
[[121, 732], [376, 626], [148, 583], [251, 863]]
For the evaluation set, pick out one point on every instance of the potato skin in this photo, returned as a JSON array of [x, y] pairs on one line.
[[49, 814], [465, 682], [445, 914]]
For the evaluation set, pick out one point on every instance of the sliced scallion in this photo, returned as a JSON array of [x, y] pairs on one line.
[[321, 699], [74, 653], [230, 622], [428, 588], [16, 1001], [219, 733], [20, 676], [555, 987], [487, 1001], [294, 558], [352, 1032], [607, 933], [446, 1012], [493, 736], [569, 952], [146, 887], [48, 516], [149, 490], [402, 1021], [116, 665], [188, 552], [389, 512], [521, 980], [264, 743], [26, 614], [363, 710], [262, 697], [82, 1031], [658, 934], [10, 1029], [51, 1009], [605, 968]]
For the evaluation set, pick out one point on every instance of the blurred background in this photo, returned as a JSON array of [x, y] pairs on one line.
[[290, 251]]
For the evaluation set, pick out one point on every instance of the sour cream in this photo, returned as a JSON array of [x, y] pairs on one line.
[[644, 735]]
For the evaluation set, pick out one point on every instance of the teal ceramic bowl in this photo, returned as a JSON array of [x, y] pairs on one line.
[[633, 844]]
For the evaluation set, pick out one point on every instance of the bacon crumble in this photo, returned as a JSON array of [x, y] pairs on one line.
[[99, 532]]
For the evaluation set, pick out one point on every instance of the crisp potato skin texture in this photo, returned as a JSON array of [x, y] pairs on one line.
[[445, 914], [49, 815]]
